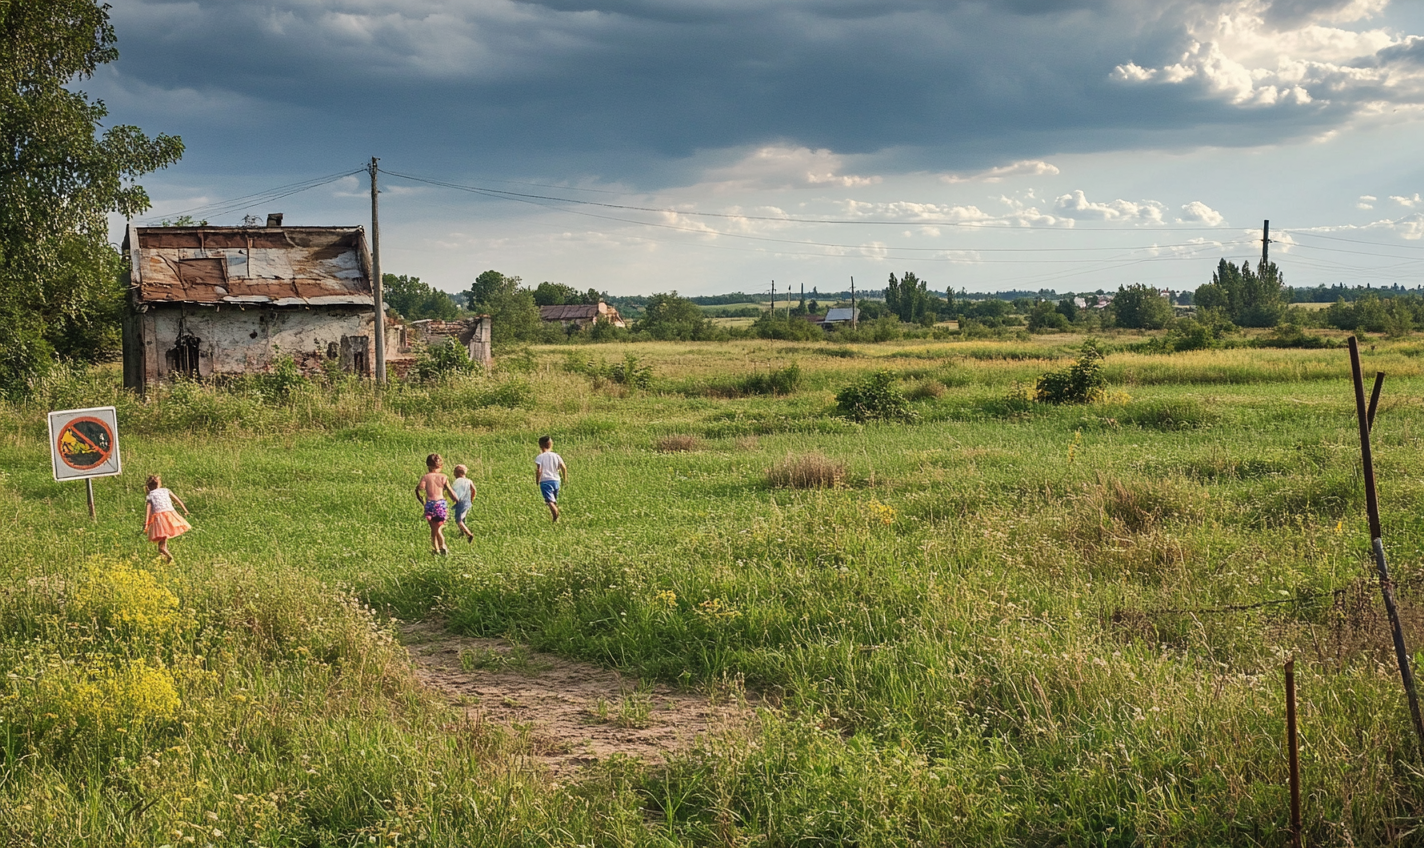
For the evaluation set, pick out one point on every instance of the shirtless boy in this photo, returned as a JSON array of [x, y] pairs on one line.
[[431, 491]]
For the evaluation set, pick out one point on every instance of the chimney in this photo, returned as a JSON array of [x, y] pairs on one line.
[[274, 219]]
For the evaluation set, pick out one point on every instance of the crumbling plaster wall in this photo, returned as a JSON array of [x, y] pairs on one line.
[[234, 340]]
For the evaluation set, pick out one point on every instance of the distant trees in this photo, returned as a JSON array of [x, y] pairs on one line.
[[1141, 307], [558, 294], [668, 317], [1249, 298], [513, 314], [414, 300], [60, 177], [909, 298]]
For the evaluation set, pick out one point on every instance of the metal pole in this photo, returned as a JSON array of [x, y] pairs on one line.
[[376, 282], [1293, 745], [1401, 653], [89, 489]]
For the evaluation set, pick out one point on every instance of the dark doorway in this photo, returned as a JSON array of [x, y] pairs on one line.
[[185, 355]]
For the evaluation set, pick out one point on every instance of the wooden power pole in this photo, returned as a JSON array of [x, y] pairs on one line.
[[1265, 243], [376, 281], [852, 301]]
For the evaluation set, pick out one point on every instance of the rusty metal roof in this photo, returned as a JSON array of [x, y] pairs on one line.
[[277, 266], [571, 312]]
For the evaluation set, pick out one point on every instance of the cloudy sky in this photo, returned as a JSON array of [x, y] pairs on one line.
[[716, 145]]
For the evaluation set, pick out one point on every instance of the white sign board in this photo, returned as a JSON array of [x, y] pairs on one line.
[[84, 443]]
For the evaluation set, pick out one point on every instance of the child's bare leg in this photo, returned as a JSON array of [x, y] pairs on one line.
[[163, 549], [465, 531], [440, 536], [435, 536], [553, 510]]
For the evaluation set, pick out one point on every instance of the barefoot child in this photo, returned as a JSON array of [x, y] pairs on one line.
[[463, 488], [430, 491], [160, 520], [549, 473]]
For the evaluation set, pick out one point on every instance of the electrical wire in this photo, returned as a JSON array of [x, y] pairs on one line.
[[247, 201]]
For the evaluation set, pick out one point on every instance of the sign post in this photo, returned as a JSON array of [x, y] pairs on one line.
[[84, 444]]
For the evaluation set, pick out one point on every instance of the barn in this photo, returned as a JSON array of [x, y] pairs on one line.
[[209, 302]]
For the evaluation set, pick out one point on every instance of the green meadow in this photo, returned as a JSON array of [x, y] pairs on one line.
[[1000, 623]]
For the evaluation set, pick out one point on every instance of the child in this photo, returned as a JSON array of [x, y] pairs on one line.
[[463, 488], [549, 472], [430, 491], [160, 520]]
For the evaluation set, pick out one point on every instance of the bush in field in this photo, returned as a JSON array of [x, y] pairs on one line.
[[876, 398], [775, 325], [281, 382], [1081, 382], [782, 381], [630, 372], [808, 471], [678, 444], [442, 360]]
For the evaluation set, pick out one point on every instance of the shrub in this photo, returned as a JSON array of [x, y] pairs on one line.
[[808, 471], [783, 381], [927, 390], [1081, 382], [281, 382], [677, 444], [876, 398], [443, 360], [630, 372]]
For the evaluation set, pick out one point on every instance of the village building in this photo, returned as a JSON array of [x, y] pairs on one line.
[[839, 316], [471, 333], [214, 301], [580, 315]]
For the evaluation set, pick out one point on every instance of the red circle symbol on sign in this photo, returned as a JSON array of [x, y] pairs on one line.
[[85, 443]]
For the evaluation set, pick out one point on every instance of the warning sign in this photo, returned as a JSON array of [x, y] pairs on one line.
[[84, 443]]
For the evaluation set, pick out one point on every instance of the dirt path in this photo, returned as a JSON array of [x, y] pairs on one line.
[[575, 713]]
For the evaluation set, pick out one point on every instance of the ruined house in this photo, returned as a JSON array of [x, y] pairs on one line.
[[214, 301], [580, 315], [472, 334]]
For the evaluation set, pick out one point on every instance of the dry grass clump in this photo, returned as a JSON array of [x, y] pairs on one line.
[[926, 390], [808, 471], [747, 443], [677, 444]]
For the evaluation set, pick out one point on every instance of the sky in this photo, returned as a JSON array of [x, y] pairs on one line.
[[708, 146]]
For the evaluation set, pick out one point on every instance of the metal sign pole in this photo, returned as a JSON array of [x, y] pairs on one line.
[[89, 489]]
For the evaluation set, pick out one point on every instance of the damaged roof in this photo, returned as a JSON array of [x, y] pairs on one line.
[[276, 266]]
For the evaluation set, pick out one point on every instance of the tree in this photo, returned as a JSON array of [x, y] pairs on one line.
[[415, 300], [59, 179], [513, 315], [909, 298], [668, 316], [1140, 307], [1249, 298]]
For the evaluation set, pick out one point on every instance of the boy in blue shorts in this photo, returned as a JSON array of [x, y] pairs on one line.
[[463, 488], [549, 473]]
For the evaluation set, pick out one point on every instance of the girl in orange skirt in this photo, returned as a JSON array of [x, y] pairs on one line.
[[160, 520]]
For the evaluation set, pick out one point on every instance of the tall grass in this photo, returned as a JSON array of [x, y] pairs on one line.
[[1061, 627]]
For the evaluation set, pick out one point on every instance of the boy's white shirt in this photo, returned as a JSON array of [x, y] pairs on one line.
[[463, 487], [548, 463]]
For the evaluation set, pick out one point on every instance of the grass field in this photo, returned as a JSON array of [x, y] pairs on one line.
[[1008, 624]]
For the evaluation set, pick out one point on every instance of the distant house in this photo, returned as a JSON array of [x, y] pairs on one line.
[[840, 315], [213, 301], [580, 315]]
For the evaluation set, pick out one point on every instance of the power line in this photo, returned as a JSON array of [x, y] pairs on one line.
[[247, 201]]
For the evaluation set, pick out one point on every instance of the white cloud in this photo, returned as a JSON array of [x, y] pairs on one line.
[[1407, 201], [1290, 54], [1367, 201], [1197, 212], [1025, 167], [775, 167], [1077, 206]]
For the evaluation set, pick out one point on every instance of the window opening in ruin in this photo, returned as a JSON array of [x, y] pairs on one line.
[[185, 355]]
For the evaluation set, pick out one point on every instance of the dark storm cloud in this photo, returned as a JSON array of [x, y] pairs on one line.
[[622, 87]]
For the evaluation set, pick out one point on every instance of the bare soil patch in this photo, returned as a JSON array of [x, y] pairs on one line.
[[574, 713]]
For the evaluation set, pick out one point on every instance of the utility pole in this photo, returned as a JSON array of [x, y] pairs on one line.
[[852, 301], [1265, 243], [376, 282], [773, 298]]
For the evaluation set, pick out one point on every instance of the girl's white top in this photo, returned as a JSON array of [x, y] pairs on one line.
[[548, 463], [161, 500]]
